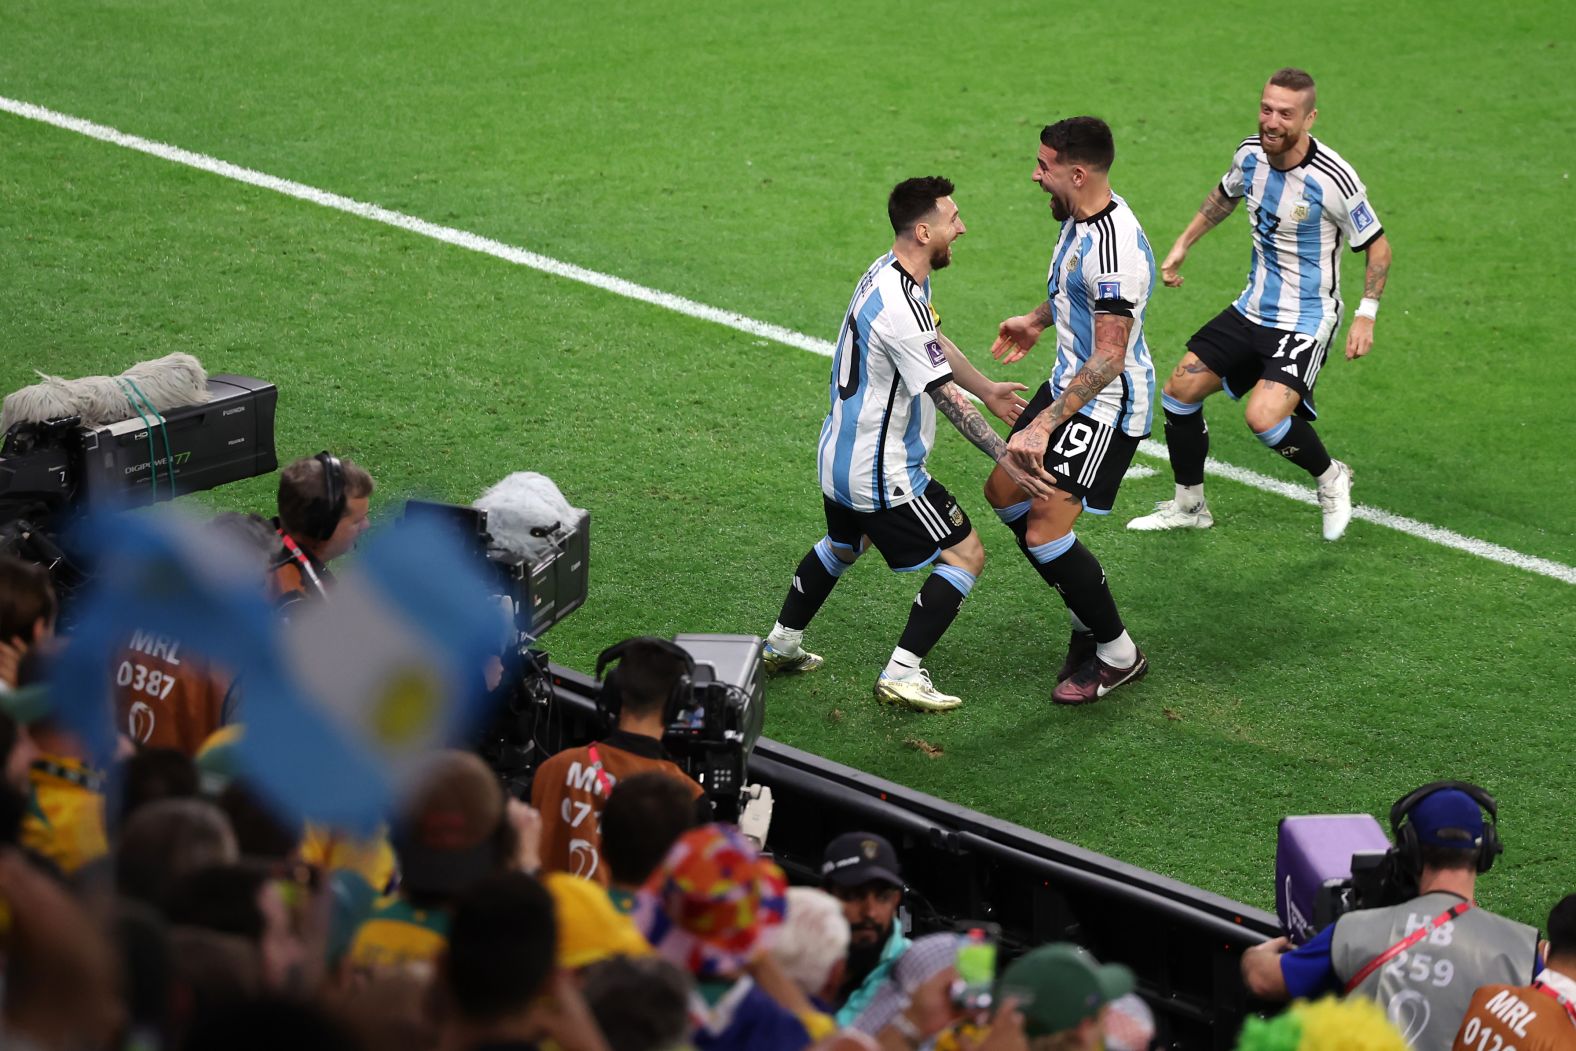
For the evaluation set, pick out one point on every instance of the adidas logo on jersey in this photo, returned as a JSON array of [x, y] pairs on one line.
[[1290, 370], [1064, 468]]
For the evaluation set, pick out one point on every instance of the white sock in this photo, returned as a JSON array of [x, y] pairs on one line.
[[1331, 473], [1120, 652], [1190, 497], [785, 640], [1078, 625], [903, 665]]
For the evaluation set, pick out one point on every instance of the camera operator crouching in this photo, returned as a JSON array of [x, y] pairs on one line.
[[322, 510], [1423, 959], [649, 685]]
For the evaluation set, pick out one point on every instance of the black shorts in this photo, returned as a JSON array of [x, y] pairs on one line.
[[1087, 458], [909, 536], [1242, 353]]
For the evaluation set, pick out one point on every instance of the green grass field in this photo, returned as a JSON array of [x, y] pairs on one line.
[[740, 156]]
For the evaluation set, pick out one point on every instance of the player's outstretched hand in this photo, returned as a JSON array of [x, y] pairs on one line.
[[1171, 267], [1024, 462], [1003, 401], [1360, 338], [1015, 337]]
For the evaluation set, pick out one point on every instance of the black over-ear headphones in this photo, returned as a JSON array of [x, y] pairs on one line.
[[610, 698], [1410, 850], [324, 512]]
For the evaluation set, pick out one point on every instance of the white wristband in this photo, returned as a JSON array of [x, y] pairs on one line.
[[1368, 308]]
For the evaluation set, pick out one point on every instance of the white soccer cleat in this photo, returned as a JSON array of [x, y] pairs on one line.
[[790, 662], [917, 693], [1335, 500], [1167, 515]]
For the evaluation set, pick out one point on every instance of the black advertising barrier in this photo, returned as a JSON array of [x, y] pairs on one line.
[[1183, 943]]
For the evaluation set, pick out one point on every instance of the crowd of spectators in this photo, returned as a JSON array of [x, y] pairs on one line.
[[162, 903]]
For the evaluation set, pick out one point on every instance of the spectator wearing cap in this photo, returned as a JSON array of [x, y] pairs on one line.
[[1536, 1017], [915, 1003], [1452, 946], [712, 907], [590, 930], [1059, 995], [860, 869], [455, 831]]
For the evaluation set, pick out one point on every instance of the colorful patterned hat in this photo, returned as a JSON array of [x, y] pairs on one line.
[[713, 903]]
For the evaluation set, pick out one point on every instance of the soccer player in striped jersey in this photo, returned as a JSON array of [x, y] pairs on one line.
[[1086, 421], [1304, 202], [892, 371]]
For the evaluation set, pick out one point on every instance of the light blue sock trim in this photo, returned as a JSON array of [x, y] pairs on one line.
[[1052, 549], [1013, 513], [961, 579], [1273, 436], [834, 565], [1180, 408]]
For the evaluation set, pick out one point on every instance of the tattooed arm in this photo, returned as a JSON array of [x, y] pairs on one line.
[[952, 403], [1360, 338], [1214, 209], [1104, 365]]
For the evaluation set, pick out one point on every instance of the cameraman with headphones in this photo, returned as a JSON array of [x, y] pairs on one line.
[[1423, 959], [322, 510], [644, 693]]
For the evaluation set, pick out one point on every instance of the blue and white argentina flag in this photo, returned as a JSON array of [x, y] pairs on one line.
[[386, 671], [1300, 217], [1104, 265], [882, 423], [341, 704]]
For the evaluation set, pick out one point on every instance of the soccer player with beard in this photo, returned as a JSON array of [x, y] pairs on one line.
[[1086, 421], [891, 372], [1270, 344]]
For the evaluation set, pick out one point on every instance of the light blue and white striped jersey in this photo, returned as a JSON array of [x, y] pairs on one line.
[[1299, 218], [882, 422], [1103, 264]]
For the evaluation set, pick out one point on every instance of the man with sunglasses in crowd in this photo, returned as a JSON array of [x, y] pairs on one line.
[[860, 869]]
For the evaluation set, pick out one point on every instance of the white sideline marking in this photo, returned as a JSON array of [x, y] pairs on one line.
[[679, 304]]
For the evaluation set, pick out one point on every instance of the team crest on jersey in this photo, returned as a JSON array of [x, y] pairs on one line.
[[937, 355], [956, 514], [1300, 212], [1362, 217], [1110, 290], [1072, 262]]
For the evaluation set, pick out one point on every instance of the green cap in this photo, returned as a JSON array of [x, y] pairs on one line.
[[27, 705], [1057, 986]]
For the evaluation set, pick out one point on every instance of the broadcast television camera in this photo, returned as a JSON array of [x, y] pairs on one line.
[[1327, 865], [540, 591], [56, 468], [713, 736]]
